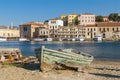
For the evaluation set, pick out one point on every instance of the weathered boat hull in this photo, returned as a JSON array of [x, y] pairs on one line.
[[48, 58]]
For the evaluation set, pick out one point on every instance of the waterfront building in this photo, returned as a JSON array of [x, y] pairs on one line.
[[107, 30], [54, 24], [86, 19], [9, 33], [42, 32], [66, 32], [27, 30], [90, 31]]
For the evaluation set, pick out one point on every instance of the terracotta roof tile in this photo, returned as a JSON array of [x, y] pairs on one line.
[[33, 23], [105, 24]]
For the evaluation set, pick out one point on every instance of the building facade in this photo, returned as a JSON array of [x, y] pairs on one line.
[[9, 33], [65, 19], [54, 24], [27, 30], [86, 19], [71, 19], [66, 32], [42, 32], [107, 30]]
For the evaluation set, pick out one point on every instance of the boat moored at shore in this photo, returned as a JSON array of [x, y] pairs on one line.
[[23, 39], [3, 39], [68, 57]]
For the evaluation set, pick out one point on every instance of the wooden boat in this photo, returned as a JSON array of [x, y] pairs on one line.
[[68, 57]]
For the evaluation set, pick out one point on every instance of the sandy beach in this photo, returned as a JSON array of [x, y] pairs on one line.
[[97, 70]]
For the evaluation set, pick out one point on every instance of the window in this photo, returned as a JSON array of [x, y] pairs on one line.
[[88, 34], [117, 29], [91, 29], [113, 29], [88, 29], [100, 29], [53, 22], [107, 29], [104, 29], [25, 28]]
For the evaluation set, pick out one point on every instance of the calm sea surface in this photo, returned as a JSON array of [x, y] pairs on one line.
[[100, 50]]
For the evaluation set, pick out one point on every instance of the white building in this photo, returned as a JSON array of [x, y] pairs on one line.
[[55, 23], [86, 19]]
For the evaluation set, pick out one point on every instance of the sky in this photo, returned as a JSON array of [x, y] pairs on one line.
[[21, 11]]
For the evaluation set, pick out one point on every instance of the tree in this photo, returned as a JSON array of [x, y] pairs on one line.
[[113, 17], [99, 19], [76, 22]]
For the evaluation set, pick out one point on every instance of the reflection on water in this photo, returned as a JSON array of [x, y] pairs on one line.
[[107, 50]]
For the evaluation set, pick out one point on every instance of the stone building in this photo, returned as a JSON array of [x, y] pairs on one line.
[[107, 30], [27, 30], [9, 33], [42, 32]]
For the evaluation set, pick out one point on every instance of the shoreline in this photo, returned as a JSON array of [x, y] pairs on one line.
[[97, 70]]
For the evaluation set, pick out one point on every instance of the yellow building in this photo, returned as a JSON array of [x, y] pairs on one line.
[[71, 18], [27, 30], [65, 19], [9, 33]]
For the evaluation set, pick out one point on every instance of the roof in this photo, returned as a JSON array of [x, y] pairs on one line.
[[105, 16], [87, 14], [55, 19], [105, 24], [33, 23]]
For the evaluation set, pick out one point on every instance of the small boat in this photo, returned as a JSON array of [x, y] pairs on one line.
[[73, 39], [49, 39], [97, 38], [23, 39], [3, 39], [82, 38], [38, 39], [49, 58]]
